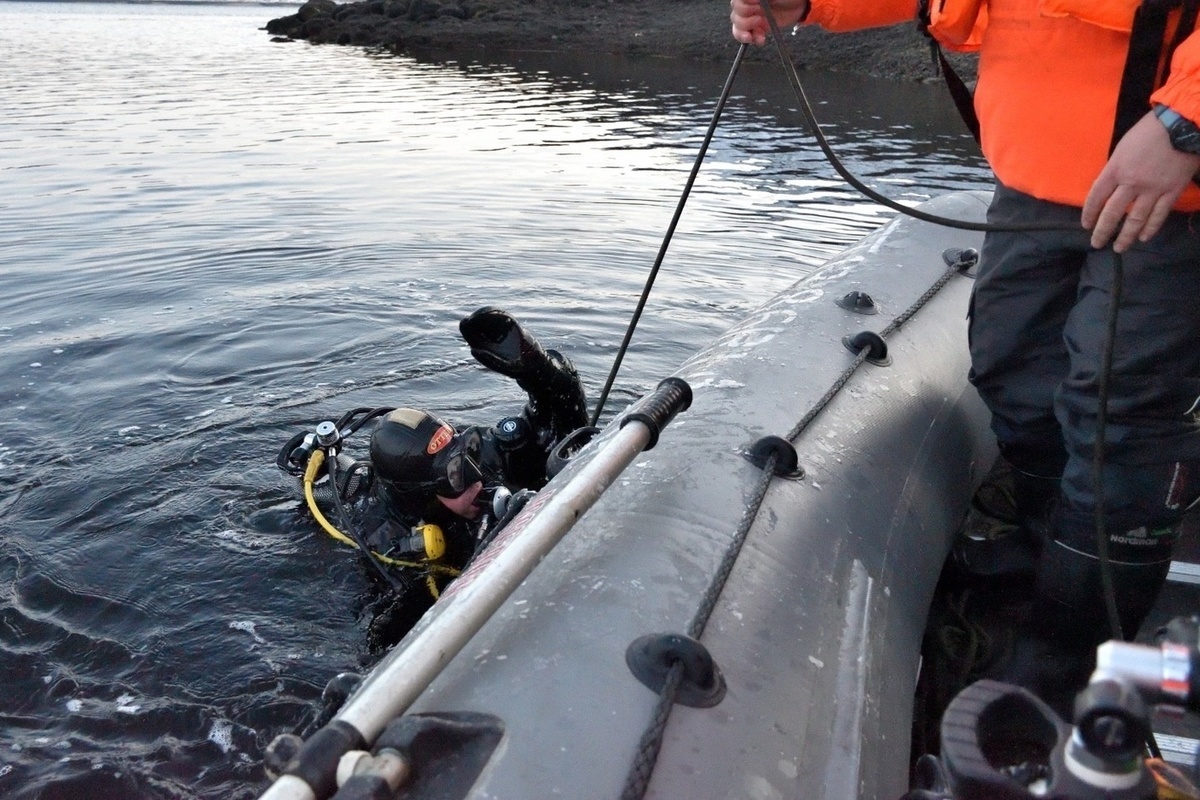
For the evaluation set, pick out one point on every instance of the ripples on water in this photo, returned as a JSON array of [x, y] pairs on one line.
[[209, 241]]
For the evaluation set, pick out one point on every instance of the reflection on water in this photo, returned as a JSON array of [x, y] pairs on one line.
[[209, 240]]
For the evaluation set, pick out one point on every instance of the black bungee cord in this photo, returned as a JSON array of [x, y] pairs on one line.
[[1106, 575], [389, 579], [831, 157]]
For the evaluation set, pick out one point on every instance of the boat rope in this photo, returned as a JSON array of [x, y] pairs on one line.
[[830, 156], [1107, 583], [810, 118], [834, 161], [662, 250], [1102, 379]]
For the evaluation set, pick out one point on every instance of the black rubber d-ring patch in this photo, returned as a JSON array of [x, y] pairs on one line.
[[859, 302], [873, 343], [651, 657], [961, 259], [787, 463]]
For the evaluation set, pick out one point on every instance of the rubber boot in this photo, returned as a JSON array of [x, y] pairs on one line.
[[556, 396], [1054, 651]]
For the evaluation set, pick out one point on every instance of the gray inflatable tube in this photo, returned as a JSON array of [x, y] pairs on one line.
[[816, 633]]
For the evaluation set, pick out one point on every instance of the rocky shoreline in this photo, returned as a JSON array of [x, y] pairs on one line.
[[696, 30]]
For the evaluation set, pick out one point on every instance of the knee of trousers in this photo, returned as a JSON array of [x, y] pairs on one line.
[[1138, 501]]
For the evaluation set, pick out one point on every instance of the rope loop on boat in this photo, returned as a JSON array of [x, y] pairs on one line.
[[786, 464]]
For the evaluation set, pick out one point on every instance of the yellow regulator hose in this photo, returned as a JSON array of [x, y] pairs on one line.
[[434, 539]]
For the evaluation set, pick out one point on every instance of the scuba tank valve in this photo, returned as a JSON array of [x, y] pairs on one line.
[[328, 435]]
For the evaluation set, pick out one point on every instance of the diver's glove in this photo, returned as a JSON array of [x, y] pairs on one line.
[[500, 343], [556, 396]]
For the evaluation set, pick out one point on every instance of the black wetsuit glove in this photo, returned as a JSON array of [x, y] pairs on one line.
[[556, 397]]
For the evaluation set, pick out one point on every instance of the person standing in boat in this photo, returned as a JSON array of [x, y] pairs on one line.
[[1082, 127], [432, 495]]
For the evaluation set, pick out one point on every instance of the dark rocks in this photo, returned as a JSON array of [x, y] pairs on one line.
[[696, 30], [316, 8]]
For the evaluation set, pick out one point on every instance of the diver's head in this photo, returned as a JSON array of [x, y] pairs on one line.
[[418, 456]]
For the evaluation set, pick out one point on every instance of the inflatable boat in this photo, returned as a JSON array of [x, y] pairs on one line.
[[723, 594]]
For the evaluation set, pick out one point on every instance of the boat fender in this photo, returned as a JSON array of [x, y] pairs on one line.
[[651, 657], [858, 302], [787, 463], [656, 410], [873, 343]]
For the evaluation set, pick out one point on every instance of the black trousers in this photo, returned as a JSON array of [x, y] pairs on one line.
[[1039, 314]]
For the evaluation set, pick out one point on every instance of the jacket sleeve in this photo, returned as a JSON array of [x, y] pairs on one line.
[[853, 15], [1182, 89]]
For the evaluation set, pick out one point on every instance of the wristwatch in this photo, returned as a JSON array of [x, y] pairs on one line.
[[1185, 136]]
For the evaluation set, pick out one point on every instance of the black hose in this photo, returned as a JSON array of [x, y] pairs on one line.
[[284, 459], [1107, 582], [789, 69], [351, 471], [344, 419], [351, 530], [1106, 573], [348, 424]]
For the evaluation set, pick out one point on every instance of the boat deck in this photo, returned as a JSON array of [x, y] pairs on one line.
[[1178, 735]]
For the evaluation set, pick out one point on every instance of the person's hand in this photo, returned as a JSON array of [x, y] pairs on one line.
[[751, 27], [1140, 183]]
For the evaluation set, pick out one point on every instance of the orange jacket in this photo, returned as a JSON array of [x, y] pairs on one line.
[[1049, 75]]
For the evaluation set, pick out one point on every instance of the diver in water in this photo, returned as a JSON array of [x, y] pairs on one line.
[[431, 495]]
